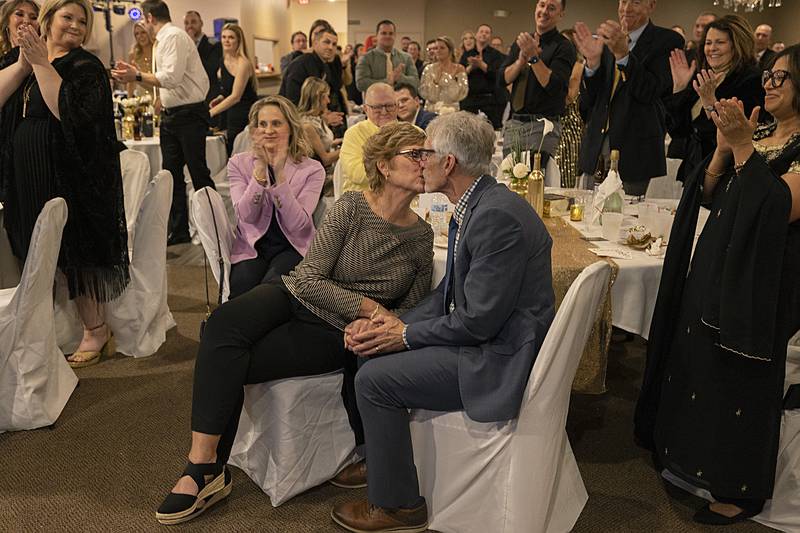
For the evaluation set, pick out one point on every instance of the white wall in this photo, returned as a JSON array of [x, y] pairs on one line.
[[301, 16], [407, 15]]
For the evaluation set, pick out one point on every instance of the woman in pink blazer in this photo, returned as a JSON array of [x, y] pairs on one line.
[[275, 188]]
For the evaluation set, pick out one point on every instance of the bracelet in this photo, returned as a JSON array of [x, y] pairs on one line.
[[710, 108], [372, 316], [738, 167], [714, 175]]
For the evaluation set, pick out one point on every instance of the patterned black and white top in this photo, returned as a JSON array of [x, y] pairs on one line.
[[356, 253]]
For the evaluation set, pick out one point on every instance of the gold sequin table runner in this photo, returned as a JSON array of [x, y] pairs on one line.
[[570, 255]]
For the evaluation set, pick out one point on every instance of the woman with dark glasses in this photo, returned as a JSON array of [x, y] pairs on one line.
[[725, 68], [371, 254], [713, 395]]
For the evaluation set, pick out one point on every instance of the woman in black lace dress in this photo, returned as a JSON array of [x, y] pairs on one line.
[[58, 140], [713, 393], [238, 83]]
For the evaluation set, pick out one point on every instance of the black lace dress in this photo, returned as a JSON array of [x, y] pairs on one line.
[[236, 116], [76, 158]]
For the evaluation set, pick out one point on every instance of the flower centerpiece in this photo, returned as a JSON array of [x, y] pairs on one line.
[[132, 109]]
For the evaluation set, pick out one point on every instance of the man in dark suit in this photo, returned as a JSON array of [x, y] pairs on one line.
[[316, 64], [627, 74], [409, 108], [210, 51], [471, 344], [764, 53]]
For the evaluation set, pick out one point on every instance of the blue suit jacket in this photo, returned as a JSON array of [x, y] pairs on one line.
[[424, 118], [504, 302]]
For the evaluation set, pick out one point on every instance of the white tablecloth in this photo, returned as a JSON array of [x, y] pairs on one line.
[[216, 156]]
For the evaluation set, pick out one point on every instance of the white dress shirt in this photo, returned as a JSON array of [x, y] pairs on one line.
[[178, 68]]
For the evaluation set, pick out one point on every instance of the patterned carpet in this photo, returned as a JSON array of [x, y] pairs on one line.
[[121, 441]]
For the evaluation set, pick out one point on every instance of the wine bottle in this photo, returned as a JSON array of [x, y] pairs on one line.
[[614, 201], [536, 185]]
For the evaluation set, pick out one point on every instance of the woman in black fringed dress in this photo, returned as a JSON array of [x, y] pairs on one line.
[[58, 140], [713, 393]]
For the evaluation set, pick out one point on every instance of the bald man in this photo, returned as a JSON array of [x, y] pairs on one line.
[[764, 54], [381, 109]]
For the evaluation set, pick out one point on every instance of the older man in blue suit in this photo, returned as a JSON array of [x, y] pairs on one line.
[[471, 344]]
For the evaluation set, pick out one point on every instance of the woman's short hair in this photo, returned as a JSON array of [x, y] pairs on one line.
[[50, 7], [5, 15], [468, 137], [743, 44], [792, 55], [384, 145], [299, 146], [311, 96]]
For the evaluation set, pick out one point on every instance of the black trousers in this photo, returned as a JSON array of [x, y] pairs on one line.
[[263, 335], [489, 104], [262, 269], [183, 142]]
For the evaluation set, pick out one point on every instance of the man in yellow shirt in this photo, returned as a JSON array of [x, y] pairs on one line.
[[381, 109]]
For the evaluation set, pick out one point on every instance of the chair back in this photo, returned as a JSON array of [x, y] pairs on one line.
[[135, 167], [666, 186], [242, 141], [554, 370], [36, 282], [338, 180], [212, 224], [140, 317], [552, 174]]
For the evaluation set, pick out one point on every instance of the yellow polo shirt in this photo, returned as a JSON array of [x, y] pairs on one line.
[[352, 155]]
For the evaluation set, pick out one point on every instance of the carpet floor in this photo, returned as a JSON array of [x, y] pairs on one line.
[[121, 441]]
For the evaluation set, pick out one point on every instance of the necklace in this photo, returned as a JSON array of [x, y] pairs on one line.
[[26, 94]]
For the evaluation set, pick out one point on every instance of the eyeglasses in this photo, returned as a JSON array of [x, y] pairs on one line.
[[417, 154], [775, 77], [387, 108]]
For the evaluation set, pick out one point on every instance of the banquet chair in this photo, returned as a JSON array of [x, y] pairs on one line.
[[552, 174], [666, 186], [242, 141], [35, 379], [135, 167], [9, 267], [209, 208], [518, 475], [338, 180], [293, 434], [781, 512], [140, 317]]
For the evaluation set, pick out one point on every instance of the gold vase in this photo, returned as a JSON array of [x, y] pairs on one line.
[[128, 122], [536, 185], [520, 186]]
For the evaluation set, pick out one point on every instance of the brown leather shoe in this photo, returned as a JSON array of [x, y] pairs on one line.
[[352, 477], [362, 517]]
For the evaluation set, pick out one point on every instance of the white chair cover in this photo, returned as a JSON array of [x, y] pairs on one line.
[[293, 434], [325, 203], [202, 214], [552, 174], [9, 268], [519, 475], [667, 186], [140, 317], [135, 177], [242, 141], [338, 180], [35, 379], [782, 512]]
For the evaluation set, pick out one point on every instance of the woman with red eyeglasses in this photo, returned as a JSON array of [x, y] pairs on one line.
[[714, 393]]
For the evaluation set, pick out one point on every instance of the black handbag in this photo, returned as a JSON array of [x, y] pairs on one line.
[[205, 268]]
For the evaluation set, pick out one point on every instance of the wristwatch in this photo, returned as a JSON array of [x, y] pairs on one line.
[[533, 60], [138, 75]]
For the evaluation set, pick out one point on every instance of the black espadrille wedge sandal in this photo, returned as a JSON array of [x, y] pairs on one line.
[[214, 482]]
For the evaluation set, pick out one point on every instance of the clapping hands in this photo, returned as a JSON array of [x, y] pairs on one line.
[[682, 71], [32, 47], [734, 128], [590, 46]]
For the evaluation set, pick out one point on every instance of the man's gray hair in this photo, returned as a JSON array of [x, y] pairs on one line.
[[468, 137]]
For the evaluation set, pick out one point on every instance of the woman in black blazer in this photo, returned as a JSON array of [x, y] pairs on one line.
[[725, 68]]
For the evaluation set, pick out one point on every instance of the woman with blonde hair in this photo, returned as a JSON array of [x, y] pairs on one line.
[[295, 326], [237, 83], [467, 42], [314, 99], [14, 13], [58, 139], [275, 188], [444, 82], [141, 55]]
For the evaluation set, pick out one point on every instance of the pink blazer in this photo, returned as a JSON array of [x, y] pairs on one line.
[[295, 200]]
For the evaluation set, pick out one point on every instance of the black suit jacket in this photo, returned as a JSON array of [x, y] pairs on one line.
[[765, 62], [211, 56], [635, 115], [304, 66]]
